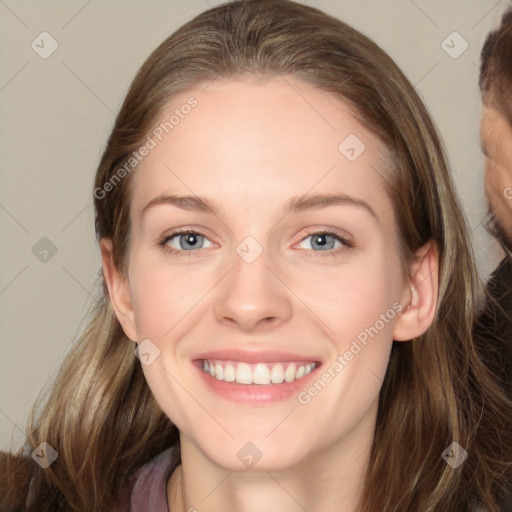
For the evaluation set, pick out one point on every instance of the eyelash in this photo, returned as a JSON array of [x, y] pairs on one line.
[[333, 252]]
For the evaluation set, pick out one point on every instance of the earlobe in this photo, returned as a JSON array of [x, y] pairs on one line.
[[118, 289], [420, 295]]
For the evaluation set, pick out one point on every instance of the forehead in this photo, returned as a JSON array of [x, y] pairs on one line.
[[273, 137]]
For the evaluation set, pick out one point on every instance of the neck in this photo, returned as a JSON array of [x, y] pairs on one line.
[[327, 480]]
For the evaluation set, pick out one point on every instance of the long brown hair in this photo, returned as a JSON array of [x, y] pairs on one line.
[[101, 417]]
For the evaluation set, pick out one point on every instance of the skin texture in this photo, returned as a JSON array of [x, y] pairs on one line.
[[249, 146], [496, 137]]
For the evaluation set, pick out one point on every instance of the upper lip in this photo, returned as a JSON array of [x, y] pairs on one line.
[[262, 356]]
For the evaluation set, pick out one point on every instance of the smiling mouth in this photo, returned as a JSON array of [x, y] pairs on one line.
[[259, 373]]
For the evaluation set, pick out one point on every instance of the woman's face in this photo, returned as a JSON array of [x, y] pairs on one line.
[[255, 290]]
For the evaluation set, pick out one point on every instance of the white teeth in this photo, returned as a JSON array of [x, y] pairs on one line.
[[289, 374], [259, 373], [229, 373], [277, 374], [243, 374]]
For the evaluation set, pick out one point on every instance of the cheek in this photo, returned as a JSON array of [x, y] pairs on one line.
[[364, 325], [371, 305], [355, 297], [346, 297], [497, 179], [162, 295], [498, 189], [358, 307], [490, 179]]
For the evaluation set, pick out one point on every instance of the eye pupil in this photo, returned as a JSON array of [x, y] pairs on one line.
[[320, 240], [190, 238]]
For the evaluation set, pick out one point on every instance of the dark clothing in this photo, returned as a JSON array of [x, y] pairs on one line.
[[493, 334], [493, 330]]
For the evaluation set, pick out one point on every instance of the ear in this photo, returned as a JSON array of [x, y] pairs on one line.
[[419, 295], [118, 289]]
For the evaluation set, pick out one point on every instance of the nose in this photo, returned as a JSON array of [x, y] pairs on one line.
[[252, 296]]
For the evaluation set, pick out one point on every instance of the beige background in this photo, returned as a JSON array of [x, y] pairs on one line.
[[57, 114]]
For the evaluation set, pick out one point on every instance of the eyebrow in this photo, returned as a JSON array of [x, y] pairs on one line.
[[295, 204]]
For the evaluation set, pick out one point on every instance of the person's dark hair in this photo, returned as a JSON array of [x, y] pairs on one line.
[[495, 79], [101, 416]]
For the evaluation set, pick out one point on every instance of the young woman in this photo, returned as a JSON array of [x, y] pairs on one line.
[[281, 238]]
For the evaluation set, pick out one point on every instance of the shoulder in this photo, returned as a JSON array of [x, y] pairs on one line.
[[494, 318], [149, 482], [500, 281]]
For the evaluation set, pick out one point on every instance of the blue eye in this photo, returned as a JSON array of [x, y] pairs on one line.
[[326, 239], [323, 240], [189, 241]]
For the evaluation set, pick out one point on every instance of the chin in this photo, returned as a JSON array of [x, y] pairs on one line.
[[254, 457]]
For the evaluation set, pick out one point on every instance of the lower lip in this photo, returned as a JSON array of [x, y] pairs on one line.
[[256, 393]]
